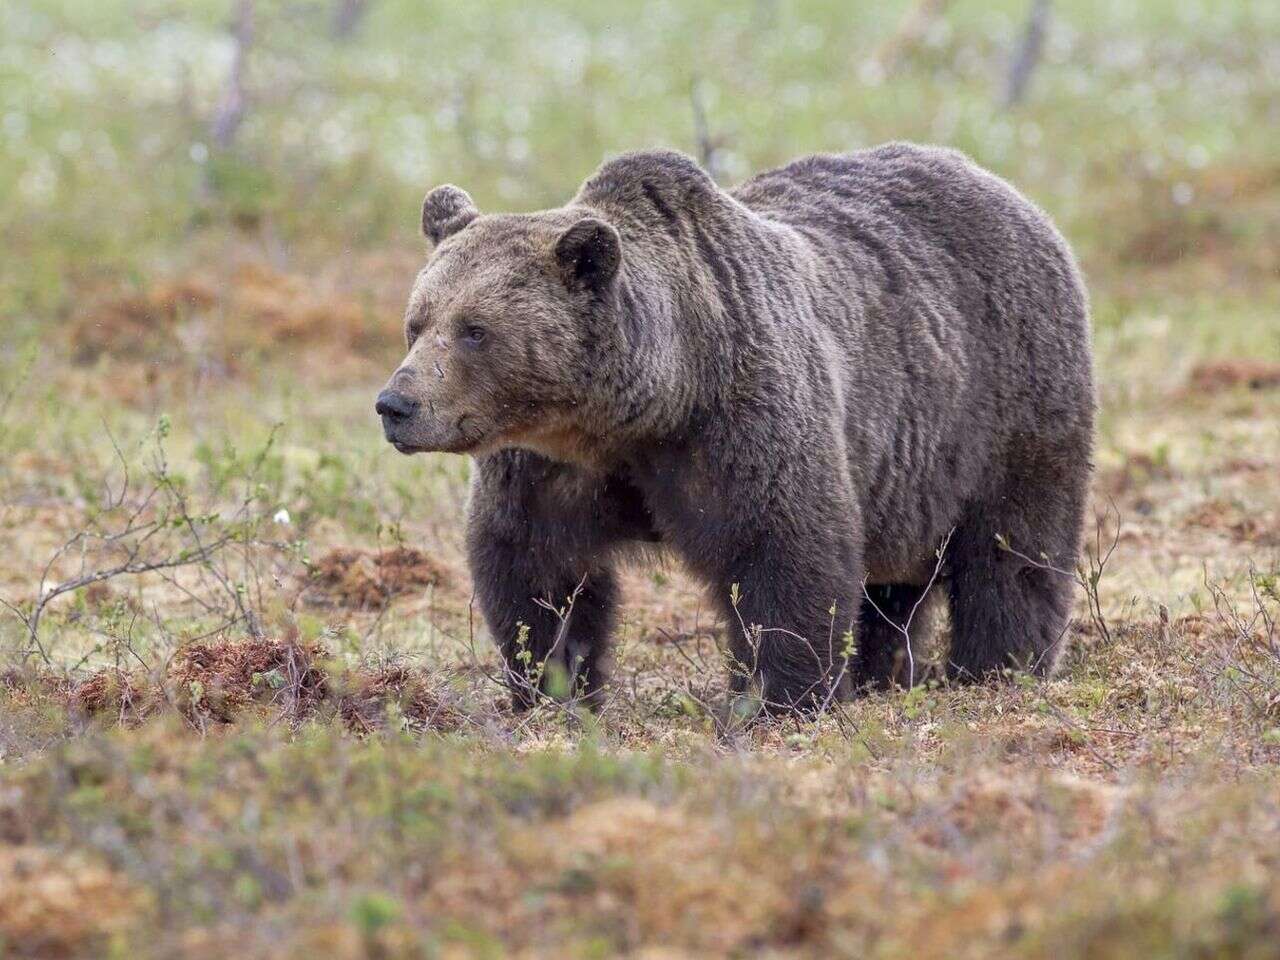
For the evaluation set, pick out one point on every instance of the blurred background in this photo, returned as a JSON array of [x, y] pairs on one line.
[[130, 129]]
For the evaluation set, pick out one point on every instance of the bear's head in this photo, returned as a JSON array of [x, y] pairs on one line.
[[501, 328]]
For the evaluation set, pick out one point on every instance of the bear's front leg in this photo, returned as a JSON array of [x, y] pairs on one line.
[[778, 540], [551, 626], [791, 609], [535, 542]]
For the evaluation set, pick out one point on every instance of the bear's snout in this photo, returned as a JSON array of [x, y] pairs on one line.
[[396, 411], [394, 407], [418, 425]]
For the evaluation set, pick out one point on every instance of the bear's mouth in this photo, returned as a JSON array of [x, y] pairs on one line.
[[460, 442], [464, 445]]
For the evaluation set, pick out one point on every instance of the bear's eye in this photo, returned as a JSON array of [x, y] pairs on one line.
[[472, 335], [414, 330]]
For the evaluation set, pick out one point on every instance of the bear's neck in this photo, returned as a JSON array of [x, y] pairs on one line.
[[676, 345], [656, 379]]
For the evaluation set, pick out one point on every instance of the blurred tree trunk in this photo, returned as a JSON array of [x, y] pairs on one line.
[[347, 15], [235, 101], [1027, 54]]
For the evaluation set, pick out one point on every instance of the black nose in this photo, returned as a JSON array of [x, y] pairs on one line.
[[395, 406]]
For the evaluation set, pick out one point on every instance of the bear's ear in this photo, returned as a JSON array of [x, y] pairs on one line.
[[589, 253], [445, 211]]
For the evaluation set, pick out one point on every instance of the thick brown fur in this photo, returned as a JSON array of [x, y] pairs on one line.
[[801, 386]]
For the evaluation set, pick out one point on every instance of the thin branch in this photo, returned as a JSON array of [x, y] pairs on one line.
[[905, 628], [710, 145]]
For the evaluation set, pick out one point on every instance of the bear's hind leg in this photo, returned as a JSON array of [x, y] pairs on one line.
[[1010, 605], [884, 659]]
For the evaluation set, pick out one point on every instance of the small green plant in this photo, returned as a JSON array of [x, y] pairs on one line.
[[373, 912], [920, 700]]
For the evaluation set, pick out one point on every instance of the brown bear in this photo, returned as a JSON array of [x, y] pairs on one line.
[[803, 386]]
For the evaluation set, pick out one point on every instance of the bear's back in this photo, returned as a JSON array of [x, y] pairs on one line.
[[922, 200], [928, 225]]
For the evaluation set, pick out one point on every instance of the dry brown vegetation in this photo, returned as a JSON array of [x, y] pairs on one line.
[[365, 579], [203, 325], [55, 906], [1212, 376], [216, 683], [1131, 800]]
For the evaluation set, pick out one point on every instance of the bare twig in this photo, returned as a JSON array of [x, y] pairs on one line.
[[1249, 661], [1089, 571], [710, 145], [905, 628], [152, 531]]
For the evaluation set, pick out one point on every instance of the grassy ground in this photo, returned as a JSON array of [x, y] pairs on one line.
[[286, 737]]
